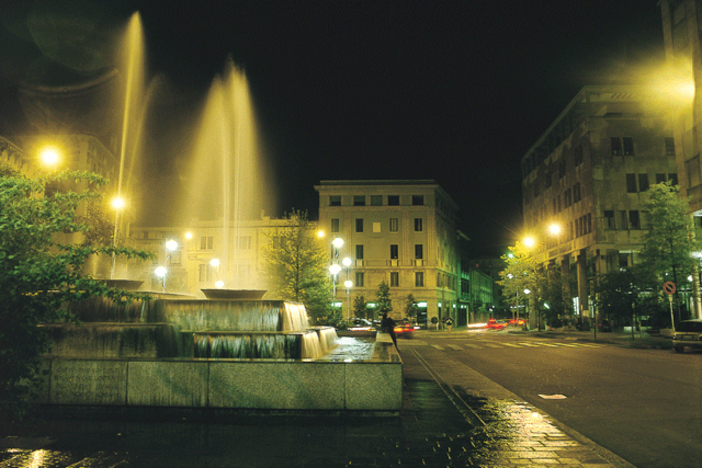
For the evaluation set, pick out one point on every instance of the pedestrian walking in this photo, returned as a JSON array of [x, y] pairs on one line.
[[388, 326], [449, 324]]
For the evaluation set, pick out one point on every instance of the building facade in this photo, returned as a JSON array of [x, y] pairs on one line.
[[204, 253], [588, 173], [402, 232], [681, 35]]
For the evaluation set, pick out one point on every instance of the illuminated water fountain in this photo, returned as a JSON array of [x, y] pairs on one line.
[[218, 353]]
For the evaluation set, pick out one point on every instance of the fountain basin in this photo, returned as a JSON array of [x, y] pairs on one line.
[[365, 387]]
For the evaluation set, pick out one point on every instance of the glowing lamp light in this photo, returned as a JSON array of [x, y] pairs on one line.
[[338, 242], [334, 269], [554, 229], [171, 245], [348, 283], [527, 291], [214, 262], [320, 234], [346, 261], [529, 242], [50, 156], [160, 271], [188, 235], [118, 203], [219, 284]]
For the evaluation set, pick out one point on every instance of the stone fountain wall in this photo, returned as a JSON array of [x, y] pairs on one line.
[[373, 385]]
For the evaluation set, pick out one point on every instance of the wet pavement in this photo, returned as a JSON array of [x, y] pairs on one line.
[[452, 417]]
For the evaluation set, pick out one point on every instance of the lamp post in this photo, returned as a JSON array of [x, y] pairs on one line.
[[348, 285], [161, 272], [334, 269]]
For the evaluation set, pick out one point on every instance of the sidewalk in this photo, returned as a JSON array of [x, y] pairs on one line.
[[452, 417]]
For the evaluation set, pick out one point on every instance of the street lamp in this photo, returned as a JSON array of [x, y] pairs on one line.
[[334, 270], [348, 285], [50, 157], [161, 273]]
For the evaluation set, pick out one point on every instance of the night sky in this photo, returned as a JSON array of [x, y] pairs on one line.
[[455, 91]]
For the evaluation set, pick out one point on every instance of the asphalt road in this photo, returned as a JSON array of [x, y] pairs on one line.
[[645, 405]]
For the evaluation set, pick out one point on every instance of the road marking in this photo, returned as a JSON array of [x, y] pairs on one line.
[[455, 347], [530, 345], [550, 345], [511, 345], [437, 347]]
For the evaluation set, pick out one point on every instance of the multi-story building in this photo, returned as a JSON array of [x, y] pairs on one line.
[[402, 232], [204, 253], [588, 173], [681, 34]]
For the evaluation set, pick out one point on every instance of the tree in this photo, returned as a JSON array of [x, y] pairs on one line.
[[360, 307], [382, 299], [39, 275], [411, 307], [521, 279], [295, 263], [670, 240]]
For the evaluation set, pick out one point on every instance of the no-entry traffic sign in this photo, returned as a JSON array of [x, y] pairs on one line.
[[669, 287]]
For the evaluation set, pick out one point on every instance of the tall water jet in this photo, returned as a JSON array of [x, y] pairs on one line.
[[228, 181], [132, 65]]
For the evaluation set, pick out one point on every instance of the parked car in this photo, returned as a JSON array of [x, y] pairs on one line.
[[687, 333], [605, 325], [517, 321]]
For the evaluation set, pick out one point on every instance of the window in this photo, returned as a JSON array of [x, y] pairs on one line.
[[568, 198], [576, 193], [334, 200], [205, 273], [616, 146], [174, 257], [628, 146], [206, 243], [394, 251], [673, 178], [670, 146], [631, 183], [660, 178], [394, 224], [578, 155], [393, 200], [359, 224], [419, 279], [244, 242], [418, 224], [394, 279], [359, 279], [643, 182], [335, 225], [376, 200], [623, 220], [419, 251], [417, 200], [634, 220], [359, 200], [561, 168], [359, 251], [609, 219]]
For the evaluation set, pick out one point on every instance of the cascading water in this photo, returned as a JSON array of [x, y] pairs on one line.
[[241, 329]]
